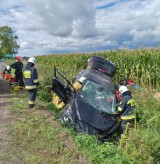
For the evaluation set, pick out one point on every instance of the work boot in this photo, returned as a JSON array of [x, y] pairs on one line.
[[31, 105]]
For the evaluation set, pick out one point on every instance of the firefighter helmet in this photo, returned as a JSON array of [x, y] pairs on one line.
[[19, 58], [123, 89], [32, 60], [8, 68], [82, 79]]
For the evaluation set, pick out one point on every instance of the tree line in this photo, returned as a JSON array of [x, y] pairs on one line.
[[8, 41]]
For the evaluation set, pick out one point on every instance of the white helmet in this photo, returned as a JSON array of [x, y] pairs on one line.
[[32, 60], [123, 89], [8, 68], [82, 79]]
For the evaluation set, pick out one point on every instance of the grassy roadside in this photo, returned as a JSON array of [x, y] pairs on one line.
[[38, 137], [42, 139]]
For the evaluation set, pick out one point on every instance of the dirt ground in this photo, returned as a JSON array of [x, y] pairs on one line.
[[6, 118]]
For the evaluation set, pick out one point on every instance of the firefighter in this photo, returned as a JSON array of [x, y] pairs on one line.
[[6, 70], [18, 66], [31, 80], [125, 108], [6, 73], [77, 85]]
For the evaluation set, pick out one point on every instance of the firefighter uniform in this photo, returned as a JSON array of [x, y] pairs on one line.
[[18, 66], [125, 110], [31, 82]]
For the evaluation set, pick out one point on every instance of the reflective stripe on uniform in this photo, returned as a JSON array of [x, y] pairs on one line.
[[128, 117], [131, 102], [31, 87], [119, 109], [35, 81], [31, 102]]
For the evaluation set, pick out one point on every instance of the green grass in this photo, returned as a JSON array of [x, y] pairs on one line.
[[40, 137], [97, 152], [42, 140]]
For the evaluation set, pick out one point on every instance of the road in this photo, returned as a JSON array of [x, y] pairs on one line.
[[1, 66], [4, 86], [6, 118]]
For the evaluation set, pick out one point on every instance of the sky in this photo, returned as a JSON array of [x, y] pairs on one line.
[[65, 26]]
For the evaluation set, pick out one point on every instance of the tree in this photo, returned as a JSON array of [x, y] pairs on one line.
[[8, 41]]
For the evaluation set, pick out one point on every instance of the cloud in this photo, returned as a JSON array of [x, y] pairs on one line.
[[131, 22], [48, 26], [64, 18]]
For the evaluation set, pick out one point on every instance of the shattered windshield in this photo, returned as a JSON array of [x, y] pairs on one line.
[[98, 97]]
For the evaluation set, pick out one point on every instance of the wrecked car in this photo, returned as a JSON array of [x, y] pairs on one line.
[[92, 108]]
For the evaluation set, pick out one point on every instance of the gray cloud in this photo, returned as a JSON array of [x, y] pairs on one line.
[[64, 18], [88, 25], [134, 22]]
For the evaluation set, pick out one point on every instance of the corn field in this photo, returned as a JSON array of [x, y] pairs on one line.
[[143, 66]]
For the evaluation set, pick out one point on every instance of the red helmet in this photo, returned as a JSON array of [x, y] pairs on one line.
[[19, 58], [130, 82]]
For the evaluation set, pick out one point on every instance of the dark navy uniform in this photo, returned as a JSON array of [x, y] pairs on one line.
[[31, 82], [125, 109], [18, 66]]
